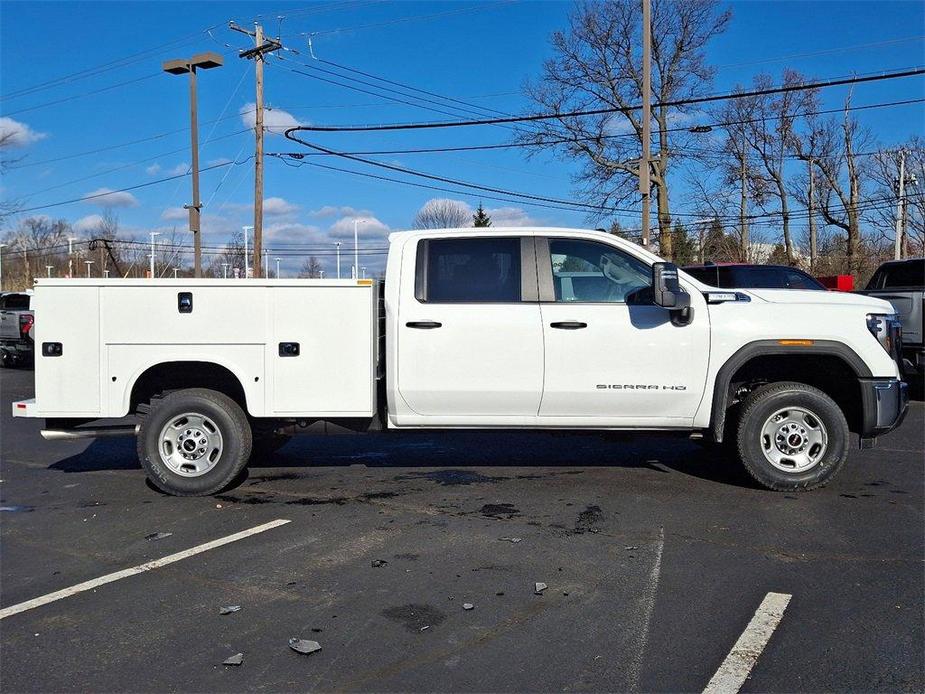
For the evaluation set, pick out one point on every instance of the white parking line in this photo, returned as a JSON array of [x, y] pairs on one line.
[[141, 568], [744, 654]]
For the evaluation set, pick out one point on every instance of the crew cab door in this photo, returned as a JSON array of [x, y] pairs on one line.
[[470, 339], [612, 356]]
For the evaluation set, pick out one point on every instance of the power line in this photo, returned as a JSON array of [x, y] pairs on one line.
[[119, 190], [604, 111]]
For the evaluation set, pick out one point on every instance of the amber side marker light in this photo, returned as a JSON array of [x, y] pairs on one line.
[[795, 343], [364, 283]]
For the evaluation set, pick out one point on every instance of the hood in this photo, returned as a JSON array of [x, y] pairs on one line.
[[808, 296]]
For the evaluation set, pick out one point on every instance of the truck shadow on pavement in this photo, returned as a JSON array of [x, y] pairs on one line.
[[449, 451]]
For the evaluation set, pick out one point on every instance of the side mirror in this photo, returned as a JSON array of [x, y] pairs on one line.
[[666, 288]]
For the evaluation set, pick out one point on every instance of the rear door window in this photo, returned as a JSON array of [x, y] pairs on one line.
[[476, 270]]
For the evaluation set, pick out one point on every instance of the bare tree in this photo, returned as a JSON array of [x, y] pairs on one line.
[[37, 242], [771, 136], [7, 141], [230, 259], [597, 64], [311, 268], [833, 147], [443, 213]]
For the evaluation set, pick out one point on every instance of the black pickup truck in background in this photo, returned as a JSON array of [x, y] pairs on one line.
[[902, 283]]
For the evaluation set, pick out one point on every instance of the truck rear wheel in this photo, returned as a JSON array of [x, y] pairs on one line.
[[792, 437], [193, 442]]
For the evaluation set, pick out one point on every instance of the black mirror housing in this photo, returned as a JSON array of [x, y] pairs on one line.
[[666, 287]]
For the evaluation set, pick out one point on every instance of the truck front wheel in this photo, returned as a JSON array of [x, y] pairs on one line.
[[193, 442], [792, 437]]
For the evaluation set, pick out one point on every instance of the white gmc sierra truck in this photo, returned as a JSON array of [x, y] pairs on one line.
[[505, 329]]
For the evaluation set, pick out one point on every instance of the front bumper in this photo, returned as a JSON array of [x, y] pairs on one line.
[[884, 402]]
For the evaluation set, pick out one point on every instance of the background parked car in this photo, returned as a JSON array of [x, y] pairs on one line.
[[902, 283], [16, 323], [746, 276]]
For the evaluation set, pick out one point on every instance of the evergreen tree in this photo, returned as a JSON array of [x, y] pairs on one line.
[[683, 247], [481, 218]]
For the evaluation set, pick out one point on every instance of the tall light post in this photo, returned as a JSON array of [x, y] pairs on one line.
[[321, 272], [183, 66], [337, 245], [175, 271], [246, 228], [88, 263], [225, 271], [266, 263], [277, 268], [153, 234], [70, 255], [2, 246], [364, 271], [356, 248], [48, 269]]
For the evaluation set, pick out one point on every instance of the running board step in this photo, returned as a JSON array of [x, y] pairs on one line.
[[99, 433]]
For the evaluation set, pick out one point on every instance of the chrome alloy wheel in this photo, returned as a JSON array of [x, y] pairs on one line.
[[794, 439], [190, 444]]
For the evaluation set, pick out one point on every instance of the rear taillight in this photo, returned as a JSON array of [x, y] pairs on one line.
[[26, 321]]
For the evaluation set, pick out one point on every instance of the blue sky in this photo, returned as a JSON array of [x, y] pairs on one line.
[[477, 51]]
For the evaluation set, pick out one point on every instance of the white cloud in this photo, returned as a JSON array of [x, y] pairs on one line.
[[278, 207], [367, 228], [509, 217], [219, 161], [174, 214], [154, 169], [290, 232], [91, 221], [178, 170], [275, 120], [334, 211], [106, 197], [17, 134]]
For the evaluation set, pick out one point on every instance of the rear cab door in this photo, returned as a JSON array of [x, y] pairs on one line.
[[469, 335]]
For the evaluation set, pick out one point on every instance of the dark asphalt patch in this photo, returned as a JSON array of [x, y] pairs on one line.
[[414, 617]]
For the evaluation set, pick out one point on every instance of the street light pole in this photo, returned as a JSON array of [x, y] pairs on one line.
[[70, 255], [245, 249], [225, 271], [2, 246], [277, 268], [337, 245], [189, 66], [88, 263], [48, 269], [153, 234], [266, 263]]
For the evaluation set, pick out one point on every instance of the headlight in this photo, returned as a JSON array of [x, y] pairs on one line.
[[888, 331]]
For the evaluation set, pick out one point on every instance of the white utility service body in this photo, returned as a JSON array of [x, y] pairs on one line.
[[509, 328]]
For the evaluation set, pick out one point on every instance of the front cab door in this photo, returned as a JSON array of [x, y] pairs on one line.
[[614, 358]]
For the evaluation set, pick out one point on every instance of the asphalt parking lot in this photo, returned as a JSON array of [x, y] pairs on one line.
[[656, 556]]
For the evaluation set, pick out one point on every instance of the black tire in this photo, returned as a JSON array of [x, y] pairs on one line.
[[228, 419], [761, 406]]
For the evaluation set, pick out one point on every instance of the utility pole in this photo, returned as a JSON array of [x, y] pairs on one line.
[[813, 247], [743, 208], [901, 190], [645, 185], [184, 66], [261, 47]]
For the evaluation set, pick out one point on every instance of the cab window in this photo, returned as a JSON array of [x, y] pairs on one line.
[[591, 272], [477, 270]]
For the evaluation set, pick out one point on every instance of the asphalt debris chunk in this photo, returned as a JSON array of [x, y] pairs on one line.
[[376, 563], [512, 540], [228, 609], [468, 606], [157, 536], [304, 646], [236, 659], [538, 588]]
